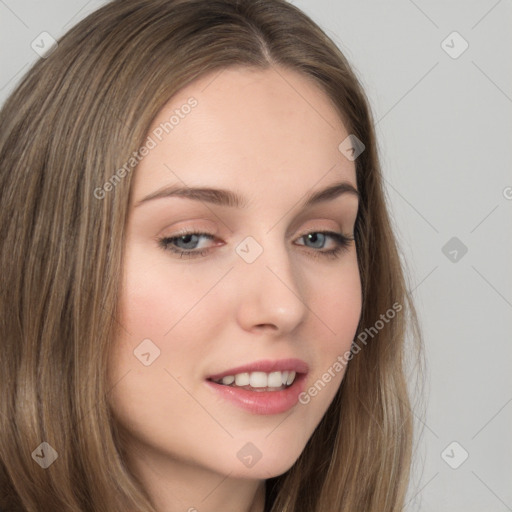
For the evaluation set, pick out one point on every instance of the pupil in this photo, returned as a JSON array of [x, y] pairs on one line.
[[315, 237], [186, 239]]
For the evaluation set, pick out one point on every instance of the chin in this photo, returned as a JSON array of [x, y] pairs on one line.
[[267, 467]]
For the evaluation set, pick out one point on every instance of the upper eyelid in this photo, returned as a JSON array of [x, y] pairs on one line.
[[315, 228]]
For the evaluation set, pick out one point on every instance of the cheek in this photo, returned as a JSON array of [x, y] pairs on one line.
[[336, 298], [159, 327], [156, 293], [172, 305], [336, 301]]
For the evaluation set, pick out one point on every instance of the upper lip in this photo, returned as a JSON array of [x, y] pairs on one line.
[[267, 366]]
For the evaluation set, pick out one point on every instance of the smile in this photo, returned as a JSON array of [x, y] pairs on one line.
[[259, 381]]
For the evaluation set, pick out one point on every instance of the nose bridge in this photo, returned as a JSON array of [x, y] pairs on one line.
[[272, 290]]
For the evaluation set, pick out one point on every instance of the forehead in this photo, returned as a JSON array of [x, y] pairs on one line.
[[247, 128]]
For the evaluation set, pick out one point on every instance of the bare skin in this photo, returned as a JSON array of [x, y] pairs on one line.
[[272, 136]]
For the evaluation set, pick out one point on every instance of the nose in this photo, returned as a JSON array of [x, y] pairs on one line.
[[271, 291]]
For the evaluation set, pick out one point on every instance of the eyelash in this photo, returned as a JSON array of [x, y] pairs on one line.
[[341, 240]]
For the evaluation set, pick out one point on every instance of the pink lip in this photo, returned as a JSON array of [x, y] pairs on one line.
[[262, 402], [267, 366]]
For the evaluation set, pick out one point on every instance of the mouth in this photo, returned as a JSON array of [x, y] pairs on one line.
[[264, 387], [259, 381]]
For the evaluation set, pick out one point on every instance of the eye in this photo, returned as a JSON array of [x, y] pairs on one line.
[[341, 242], [185, 243]]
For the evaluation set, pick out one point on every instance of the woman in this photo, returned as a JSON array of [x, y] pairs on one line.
[[202, 303]]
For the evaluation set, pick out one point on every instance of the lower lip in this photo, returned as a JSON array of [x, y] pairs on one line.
[[262, 402]]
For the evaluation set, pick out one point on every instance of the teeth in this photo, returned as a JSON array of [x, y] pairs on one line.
[[259, 379], [242, 379], [274, 380]]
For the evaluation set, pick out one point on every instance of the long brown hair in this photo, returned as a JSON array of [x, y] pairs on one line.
[[75, 118]]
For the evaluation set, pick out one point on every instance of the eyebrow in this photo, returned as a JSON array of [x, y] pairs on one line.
[[223, 197]]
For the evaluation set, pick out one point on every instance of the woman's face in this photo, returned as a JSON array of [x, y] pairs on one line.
[[251, 296]]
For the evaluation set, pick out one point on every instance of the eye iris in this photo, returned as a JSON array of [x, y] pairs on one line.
[[315, 236], [186, 239]]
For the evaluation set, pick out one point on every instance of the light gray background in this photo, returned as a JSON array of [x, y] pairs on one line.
[[444, 127]]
